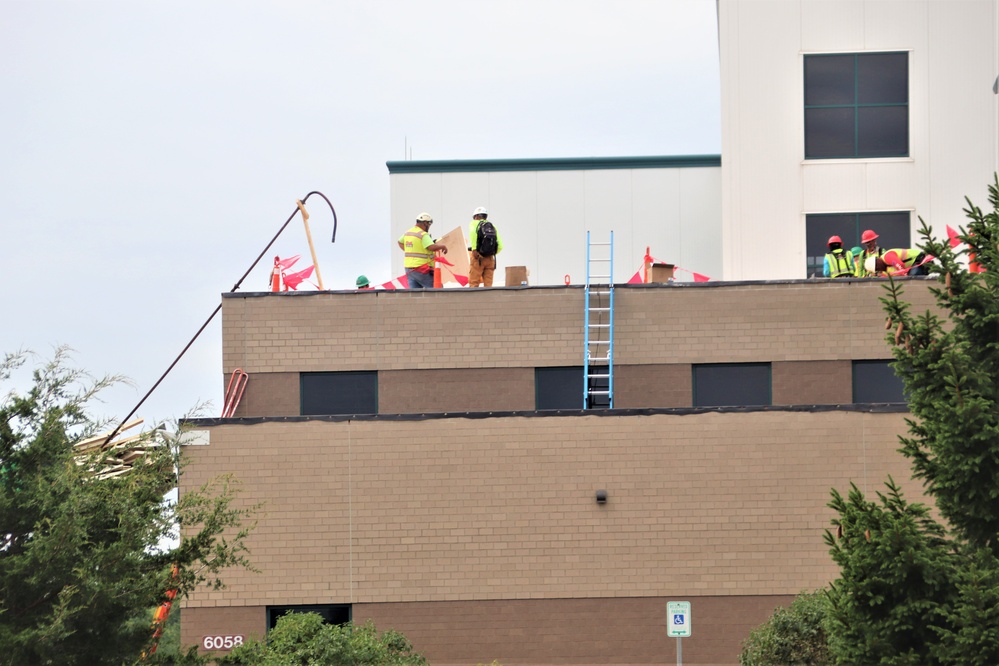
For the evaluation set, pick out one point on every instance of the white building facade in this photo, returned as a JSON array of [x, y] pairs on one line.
[[544, 207], [837, 116], [845, 115]]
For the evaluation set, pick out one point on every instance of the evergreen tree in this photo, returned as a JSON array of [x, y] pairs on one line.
[[912, 591], [950, 369], [79, 560], [896, 579]]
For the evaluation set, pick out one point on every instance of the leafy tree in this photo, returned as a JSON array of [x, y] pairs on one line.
[[304, 638], [79, 559], [793, 636]]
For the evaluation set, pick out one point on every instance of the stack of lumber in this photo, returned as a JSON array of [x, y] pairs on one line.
[[119, 455]]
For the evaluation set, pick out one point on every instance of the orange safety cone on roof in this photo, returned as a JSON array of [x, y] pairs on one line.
[[276, 275], [438, 280]]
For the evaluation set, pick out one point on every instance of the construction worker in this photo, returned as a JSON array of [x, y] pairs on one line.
[[838, 262], [485, 245], [898, 262], [420, 248], [868, 240], [362, 282]]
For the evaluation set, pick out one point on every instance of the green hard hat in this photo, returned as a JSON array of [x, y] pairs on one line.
[[362, 281], [856, 251]]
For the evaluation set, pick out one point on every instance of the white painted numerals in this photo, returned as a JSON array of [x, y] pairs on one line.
[[221, 642]]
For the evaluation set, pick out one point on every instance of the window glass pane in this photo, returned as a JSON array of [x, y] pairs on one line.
[[875, 381], [883, 131], [883, 78], [731, 384], [326, 393], [829, 132], [558, 388], [818, 230], [893, 228], [829, 79]]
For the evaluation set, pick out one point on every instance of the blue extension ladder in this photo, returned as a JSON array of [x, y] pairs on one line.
[[598, 330]]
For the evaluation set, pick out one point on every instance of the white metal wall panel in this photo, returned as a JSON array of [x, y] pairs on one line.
[[543, 216], [657, 207], [835, 186], [513, 206], [410, 196], [831, 25], [462, 194], [700, 229], [962, 108], [760, 144], [952, 115]]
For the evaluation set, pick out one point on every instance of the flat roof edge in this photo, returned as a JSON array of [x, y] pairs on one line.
[[869, 408], [555, 164]]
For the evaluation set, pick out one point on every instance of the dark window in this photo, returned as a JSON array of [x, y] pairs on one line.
[[331, 613], [892, 229], [875, 381], [731, 384], [558, 388], [339, 393], [857, 105]]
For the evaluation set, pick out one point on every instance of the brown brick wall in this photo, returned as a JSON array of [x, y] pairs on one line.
[[521, 632], [812, 382], [660, 331], [485, 533], [456, 390], [270, 394], [247, 621], [652, 386], [542, 326], [441, 509]]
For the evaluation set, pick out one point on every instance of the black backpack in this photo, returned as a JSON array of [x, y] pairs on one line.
[[486, 242]]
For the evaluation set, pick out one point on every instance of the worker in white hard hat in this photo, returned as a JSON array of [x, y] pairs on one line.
[[420, 248], [485, 245]]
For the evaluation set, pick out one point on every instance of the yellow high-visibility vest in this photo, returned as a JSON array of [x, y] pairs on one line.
[[840, 263], [414, 244]]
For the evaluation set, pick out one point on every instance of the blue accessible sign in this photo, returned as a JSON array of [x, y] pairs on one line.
[[678, 619]]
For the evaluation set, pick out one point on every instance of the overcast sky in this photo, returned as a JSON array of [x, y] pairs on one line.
[[150, 150]]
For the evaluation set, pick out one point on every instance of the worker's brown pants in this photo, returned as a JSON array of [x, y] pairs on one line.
[[481, 269]]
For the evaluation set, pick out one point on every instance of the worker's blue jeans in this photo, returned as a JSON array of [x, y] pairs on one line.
[[418, 280]]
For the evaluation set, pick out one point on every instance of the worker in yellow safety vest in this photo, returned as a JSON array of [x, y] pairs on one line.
[[869, 242], [419, 258], [899, 261], [838, 262]]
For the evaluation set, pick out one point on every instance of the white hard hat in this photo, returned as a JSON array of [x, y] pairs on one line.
[[870, 263], [424, 217], [480, 211]]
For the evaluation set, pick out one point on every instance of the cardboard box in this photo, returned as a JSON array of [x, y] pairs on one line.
[[661, 272], [516, 276]]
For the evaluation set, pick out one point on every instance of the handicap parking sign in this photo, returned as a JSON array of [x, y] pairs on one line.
[[678, 613]]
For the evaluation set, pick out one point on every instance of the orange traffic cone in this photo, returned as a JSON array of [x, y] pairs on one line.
[[276, 275], [438, 281]]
